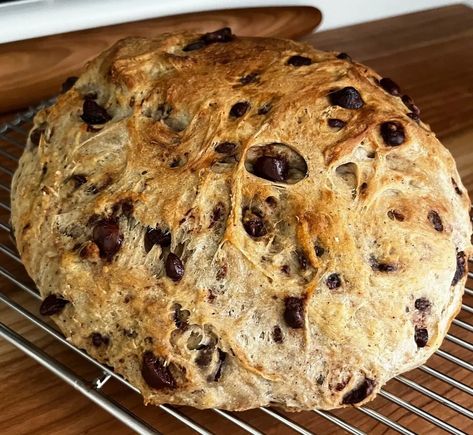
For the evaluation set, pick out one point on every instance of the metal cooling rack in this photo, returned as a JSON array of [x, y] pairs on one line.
[[405, 405]]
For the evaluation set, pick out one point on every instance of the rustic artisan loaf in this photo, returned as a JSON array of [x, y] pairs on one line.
[[238, 222]]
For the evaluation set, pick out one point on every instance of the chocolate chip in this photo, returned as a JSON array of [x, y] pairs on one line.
[[271, 201], [79, 180], [435, 220], [422, 304], [344, 56], [254, 224], [44, 169], [226, 148], [421, 336], [155, 373], [382, 267], [35, 136], [107, 237], [271, 168], [157, 236], [336, 123], [341, 385], [302, 259], [347, 97], [299, 61], [127, 207], [285, 269], [222, 356], [294, 312], [217, 214], [174, 267], [413, 116], [396, 215], [93, 113], [461, 268], [180, 317], [239, 109], [333, 281], [196, 45], [264, 109], [221, 35], [249, 78], [455, 186], [392, 133], [409, 103], [99, 339], [52, 304], [319, 250], [277, 334], [204, 358], [68, 83], [390, 86], [360, 393]]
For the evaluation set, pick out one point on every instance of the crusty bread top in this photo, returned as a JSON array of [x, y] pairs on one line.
[[237, 222]]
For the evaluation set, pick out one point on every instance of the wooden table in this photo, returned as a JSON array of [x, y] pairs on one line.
[[430, 55]]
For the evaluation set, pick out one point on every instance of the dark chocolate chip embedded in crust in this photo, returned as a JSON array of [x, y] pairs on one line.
[[333, 281], [382, 266], [344, 56], [79, 180], [271, 168], [421, 336], [249, 78], [226, 148], [35, 136], [204, 357], [413, 116], [93, 113], [409, 103], [180, 317], [294, 312], [461, 268], [239, 109], [156, 236], [299, 61], [99, 339], [435, 220], [336, 123], [196, 45], [396, 215], [359, 393], [174, 267], [422, 304], [264, 109], [390, 86], [106, 235], [253, 223], [302, 259], [68, 83], [220, 35], [348, 98], [319, 250], [155, 373], [277, 334], [222, 356], [392, 133], [52, 304]]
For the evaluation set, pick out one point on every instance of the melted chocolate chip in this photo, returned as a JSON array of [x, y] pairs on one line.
[[155, 373], [52, 304], [196, 45], [461, 268], [336, 123], [35, 136], [222, 356], [421, 336], [217, 214], [344, 56], [422, 304], [435, 220], [79, 180], [249, 78], [277, 334], [348, 98], [396, 215], [220, 35], [302, 259], [239, 109], [93, 113], [390, 86], [382, 267], [409, 103], [254, 225], [294, 312], [204, 358], [174, 267], [333, 281], [68, 84], [157, 236], [360, 393], [226, 148], [413, 116], [271, 168], [392, 133], [99, 339], [319, 250], [299, 61], [180, 317], [264, 109], [107, 237], [127, 207]]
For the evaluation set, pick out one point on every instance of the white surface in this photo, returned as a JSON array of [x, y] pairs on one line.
[[32, 18]]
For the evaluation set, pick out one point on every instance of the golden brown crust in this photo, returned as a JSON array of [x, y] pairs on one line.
[[301, 291]]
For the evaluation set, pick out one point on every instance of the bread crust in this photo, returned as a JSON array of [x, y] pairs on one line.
[[305, 244]]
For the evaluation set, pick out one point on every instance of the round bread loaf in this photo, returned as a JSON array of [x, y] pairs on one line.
[[240, 222]]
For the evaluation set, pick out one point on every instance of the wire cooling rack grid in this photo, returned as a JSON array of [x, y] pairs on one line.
[[436, 397]]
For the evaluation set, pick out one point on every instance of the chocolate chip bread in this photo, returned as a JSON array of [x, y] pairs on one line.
[[240, 222]]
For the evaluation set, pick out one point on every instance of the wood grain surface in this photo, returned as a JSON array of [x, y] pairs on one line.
[[429, 54], [32, 70]]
